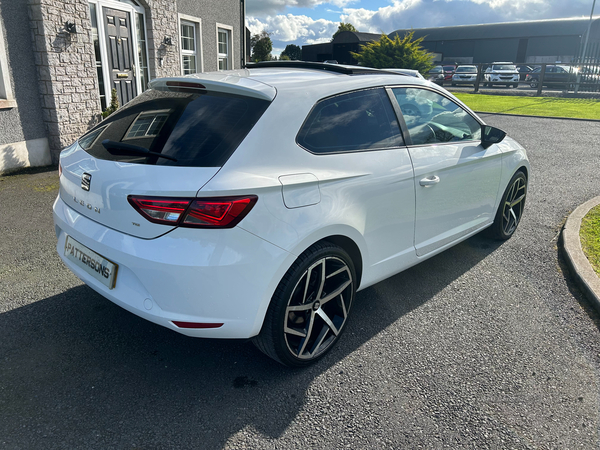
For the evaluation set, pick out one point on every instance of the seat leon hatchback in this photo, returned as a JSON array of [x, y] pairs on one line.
[[255, 203]]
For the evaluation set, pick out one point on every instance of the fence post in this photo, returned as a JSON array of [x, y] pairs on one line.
[[541, 80], [476, 87]]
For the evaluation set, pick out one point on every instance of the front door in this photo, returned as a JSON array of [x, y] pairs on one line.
[[120, 53], [456, 179]]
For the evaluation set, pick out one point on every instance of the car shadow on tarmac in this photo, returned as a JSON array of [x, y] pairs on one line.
[[78, 371]]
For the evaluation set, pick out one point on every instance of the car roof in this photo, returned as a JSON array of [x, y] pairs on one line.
[[267, 80]]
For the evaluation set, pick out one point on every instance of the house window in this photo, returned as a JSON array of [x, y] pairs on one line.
[[224, 47], [6, 96], [188, 48]]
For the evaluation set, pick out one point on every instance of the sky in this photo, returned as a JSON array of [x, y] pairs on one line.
[[304, 22]]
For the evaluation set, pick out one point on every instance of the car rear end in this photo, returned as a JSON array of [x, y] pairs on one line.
[[465, 75], [131, 221]]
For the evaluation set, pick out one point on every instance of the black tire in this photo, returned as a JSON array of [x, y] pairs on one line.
[[508, 86], [307, 303], [510, 210], [516, 85], [533, 84], [453, 84]]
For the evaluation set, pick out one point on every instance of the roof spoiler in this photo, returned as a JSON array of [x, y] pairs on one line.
[[226, 83]]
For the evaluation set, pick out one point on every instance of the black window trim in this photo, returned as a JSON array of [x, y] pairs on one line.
[[344, 152], [404, 128]]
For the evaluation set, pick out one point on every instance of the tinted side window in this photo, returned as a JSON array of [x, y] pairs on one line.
[[198, 129], [432, 118], [362, 120]]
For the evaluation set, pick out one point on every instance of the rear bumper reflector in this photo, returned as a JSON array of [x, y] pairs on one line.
[[196, 325]]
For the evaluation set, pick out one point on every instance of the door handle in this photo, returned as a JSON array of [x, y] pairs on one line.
[[430, 181]]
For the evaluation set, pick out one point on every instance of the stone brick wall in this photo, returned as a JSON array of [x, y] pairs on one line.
[[161, 22], [66, 66], [66, 69]]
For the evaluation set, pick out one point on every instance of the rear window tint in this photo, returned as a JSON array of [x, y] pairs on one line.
[[197, 129], [361, 120]]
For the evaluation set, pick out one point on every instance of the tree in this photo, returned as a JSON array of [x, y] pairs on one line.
[[292, 51], [399, 52], [261, 47], [343, 27], [114, 104]]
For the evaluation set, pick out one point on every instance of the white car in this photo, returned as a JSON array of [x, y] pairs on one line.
[[502, 73], [464, 75], [255, 203]]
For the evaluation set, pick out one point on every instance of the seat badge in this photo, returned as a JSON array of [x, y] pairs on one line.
[[86, 180]]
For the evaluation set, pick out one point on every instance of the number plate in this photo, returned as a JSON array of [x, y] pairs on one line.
[[94, 264]]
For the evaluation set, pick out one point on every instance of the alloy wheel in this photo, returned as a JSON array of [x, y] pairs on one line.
[[513, 206], [318, 308]]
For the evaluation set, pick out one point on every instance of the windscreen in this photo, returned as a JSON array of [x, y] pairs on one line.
[[466, 69], [194, 129]]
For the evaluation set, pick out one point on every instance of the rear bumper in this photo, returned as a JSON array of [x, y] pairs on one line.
[[188, 275]]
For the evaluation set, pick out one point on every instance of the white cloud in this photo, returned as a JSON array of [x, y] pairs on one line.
[[288, 28], [430, 13], [271, 7], [399, 14]]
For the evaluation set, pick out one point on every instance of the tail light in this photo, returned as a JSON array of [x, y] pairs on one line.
[[218, 212]]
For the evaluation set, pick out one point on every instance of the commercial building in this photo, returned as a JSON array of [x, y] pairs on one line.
[[339, 49], [533, 42]]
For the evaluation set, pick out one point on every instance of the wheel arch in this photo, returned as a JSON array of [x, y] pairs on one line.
[[525, 171], [350, 247]]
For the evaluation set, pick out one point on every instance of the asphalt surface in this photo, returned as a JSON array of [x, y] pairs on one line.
[[485, 346]]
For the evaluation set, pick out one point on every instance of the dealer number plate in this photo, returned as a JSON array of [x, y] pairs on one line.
[[94, 264]]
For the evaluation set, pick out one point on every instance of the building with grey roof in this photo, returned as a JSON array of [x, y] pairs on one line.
[[339, 49], [532, 42]]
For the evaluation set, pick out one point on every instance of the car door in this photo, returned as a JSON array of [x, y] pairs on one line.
[[456, 179]]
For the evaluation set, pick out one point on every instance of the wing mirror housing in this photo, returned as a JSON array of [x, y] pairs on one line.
[[491, 135]]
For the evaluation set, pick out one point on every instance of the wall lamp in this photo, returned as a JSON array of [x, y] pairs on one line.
[[70, 27]]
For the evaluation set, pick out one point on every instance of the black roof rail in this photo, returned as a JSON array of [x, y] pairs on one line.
[[337, 68]]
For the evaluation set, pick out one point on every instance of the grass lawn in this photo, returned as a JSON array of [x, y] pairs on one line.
[[590, 237], [533, 106]]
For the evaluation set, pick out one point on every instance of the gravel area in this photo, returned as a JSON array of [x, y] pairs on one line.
[[486, 345]]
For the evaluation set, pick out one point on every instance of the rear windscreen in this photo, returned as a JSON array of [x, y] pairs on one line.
[[198, 129]]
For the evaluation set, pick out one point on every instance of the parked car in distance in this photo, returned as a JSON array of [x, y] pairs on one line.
[[555, 76], [448, 71], [501, 73], [436, 75], [175, 209], [464, 75], [523, 71]]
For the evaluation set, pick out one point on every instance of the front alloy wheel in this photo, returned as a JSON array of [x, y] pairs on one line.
[[310, 307], [511, 208]]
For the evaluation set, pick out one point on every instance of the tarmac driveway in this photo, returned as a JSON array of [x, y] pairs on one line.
[[485, 346]]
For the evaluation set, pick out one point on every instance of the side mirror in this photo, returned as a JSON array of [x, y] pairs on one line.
[[491, 135]]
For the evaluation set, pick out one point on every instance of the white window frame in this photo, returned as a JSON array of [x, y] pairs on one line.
[[7, 100], [229, 55], [197, 22], [131, 8]]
